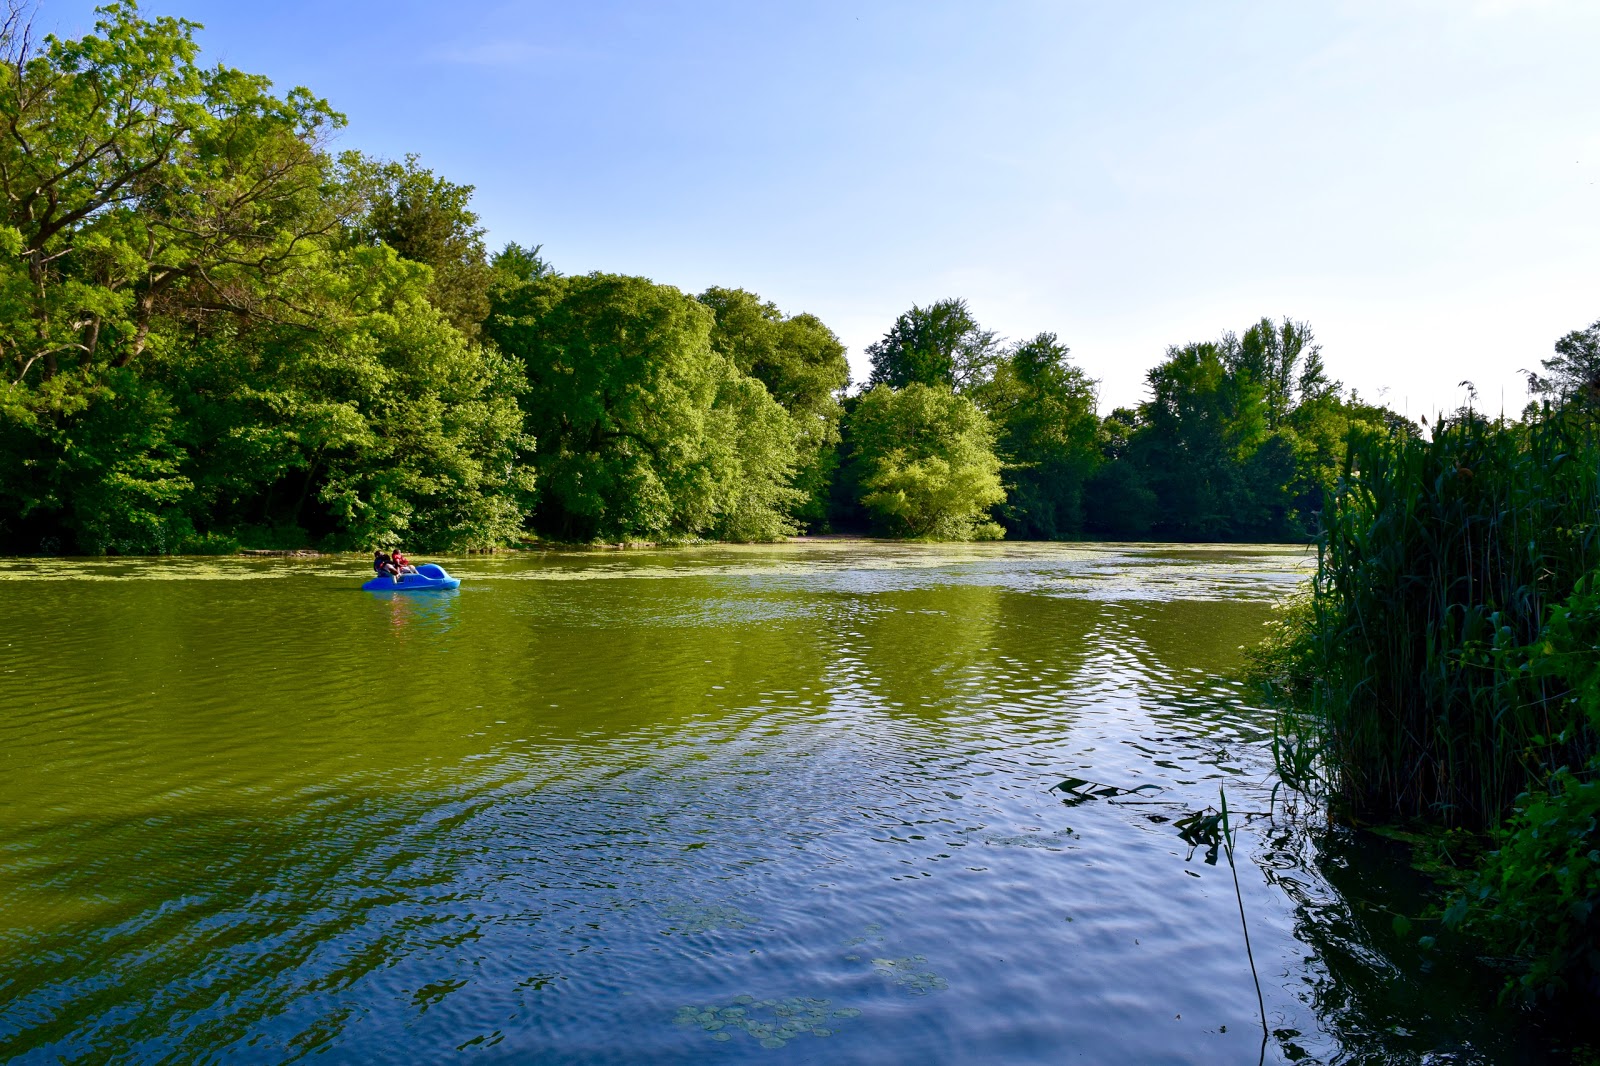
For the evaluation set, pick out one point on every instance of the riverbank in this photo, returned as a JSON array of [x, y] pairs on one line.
[[537, 547]]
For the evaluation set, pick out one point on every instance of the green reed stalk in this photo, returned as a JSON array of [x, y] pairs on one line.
[[1437, 559], [1227, 847]]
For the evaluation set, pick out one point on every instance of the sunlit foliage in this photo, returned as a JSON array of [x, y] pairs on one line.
[[644, 432], [802, 364], [924, 463], [201, 342]]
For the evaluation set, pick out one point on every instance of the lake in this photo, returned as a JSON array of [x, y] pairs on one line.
[[830, 801]]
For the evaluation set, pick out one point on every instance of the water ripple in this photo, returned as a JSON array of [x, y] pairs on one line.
[[723, 803]]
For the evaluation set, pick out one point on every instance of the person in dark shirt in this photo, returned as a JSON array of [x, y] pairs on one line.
[[383, 565]]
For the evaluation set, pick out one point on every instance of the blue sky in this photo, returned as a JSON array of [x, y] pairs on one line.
[[1419, 180]]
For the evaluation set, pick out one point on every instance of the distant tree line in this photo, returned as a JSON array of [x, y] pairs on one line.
[[217, 331]]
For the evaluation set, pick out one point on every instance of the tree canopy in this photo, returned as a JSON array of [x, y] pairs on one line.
[[514, 264], [802, 365], [924, 463], [941, 344], [1044, 408], [1572, 375], [642, 427], [197, 335], [139, 186], [1237, 440], [428, 219]]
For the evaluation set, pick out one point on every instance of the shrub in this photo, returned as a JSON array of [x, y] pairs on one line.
[[1537, 898], [209, 544]]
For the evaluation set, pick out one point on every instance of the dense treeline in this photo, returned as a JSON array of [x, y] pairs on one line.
[[1445, 669], [1236, 441], [219, 331]]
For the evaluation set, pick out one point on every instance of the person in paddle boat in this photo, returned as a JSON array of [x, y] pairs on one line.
[[402, 563], [384, 565]]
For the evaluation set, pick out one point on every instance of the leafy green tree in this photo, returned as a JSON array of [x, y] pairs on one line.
[[196, 347], [418, 435], [515, 264], [802, 364], [1319, 431], [643, 430], [1044, 408], [941, 344], [443, 471], [1116, 430], [1572, 375], [1239, 437], [384, 424], [753, 448], [428, 219], [1283, 359], [136, 184], [1198, 425], [799, 360], [924, 463], [137, 190], [103, 474]]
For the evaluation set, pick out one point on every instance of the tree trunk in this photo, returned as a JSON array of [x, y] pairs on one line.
[[305, 487], [141, 333]]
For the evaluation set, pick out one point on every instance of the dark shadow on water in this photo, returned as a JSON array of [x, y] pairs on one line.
[[1386, 997]]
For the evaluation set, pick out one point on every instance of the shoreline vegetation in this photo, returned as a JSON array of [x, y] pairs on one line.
[[222, 334], [537, 547], [1440, 681]]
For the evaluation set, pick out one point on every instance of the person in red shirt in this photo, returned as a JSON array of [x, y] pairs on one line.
[[402, 564]]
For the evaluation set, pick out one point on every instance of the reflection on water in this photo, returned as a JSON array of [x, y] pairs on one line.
[[700, 805], [423, 614]]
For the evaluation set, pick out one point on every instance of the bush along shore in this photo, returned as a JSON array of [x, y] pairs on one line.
[[1443, 673], [218, 333]]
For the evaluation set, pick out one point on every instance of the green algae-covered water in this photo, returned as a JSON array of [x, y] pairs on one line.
[[779, 804]]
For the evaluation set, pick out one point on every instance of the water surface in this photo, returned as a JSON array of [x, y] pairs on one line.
[[787, 804]]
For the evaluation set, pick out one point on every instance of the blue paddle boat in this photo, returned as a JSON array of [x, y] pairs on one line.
[[428, 576]]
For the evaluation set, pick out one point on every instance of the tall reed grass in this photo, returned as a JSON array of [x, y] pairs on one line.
[[1437, 565]]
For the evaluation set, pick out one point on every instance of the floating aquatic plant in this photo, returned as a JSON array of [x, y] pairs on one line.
[[772, 1023]]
